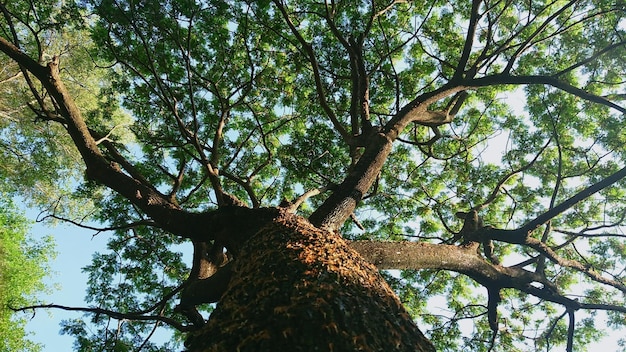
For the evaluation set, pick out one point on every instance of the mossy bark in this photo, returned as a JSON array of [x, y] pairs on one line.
[[298, 288]]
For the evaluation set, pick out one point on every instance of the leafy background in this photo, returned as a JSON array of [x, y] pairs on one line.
[[279, 142]]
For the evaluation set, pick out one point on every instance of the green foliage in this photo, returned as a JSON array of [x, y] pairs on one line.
[[230, 85], [23, 265], [39, 161]]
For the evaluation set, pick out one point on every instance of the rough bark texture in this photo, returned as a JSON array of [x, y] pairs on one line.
[[298, 288], [418, 256], [344, 199]]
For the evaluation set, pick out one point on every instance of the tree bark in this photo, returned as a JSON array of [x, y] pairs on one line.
[[344, 199], [296, 287]]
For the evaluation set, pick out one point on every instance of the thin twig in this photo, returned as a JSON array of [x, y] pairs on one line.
[[113, 314]]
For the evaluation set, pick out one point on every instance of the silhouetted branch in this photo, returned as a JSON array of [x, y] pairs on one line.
[[99, 229], [469, 40], [113, 314], [570, 331], [308, 49], [553, 81], [521, 235]]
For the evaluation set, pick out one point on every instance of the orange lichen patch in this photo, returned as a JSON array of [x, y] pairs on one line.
[[281, 309], [299, 288], [331, 327], [360, 342], [256, 338], [287, 332]]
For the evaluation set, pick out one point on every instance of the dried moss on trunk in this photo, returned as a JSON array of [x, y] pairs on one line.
[[298, 288]]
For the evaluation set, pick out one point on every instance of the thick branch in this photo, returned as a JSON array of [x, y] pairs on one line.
[[338, 207], [293, 206], [461, 259], [469, 41], [22, 59], [465, 260], [544, 80], [416, 111], [345, 197], [415, 255], [230, 226], [167, 214]]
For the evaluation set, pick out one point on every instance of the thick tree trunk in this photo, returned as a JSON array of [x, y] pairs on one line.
[[298, 288]]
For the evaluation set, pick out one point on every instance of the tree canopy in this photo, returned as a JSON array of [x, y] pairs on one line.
[[477, 146]]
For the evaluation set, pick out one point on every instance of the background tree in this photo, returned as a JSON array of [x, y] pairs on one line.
[[390, 124], [23, 265]]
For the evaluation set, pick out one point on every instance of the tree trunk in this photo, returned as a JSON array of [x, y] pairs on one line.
[[299, 288]]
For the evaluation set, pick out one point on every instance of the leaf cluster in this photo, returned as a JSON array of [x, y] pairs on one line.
[[268, 100], [23, 267]]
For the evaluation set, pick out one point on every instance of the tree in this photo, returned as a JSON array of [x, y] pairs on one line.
[[295, 144], [38, 161], [23, 265]]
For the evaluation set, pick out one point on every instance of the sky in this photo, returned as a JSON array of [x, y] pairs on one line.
[[75, 248]]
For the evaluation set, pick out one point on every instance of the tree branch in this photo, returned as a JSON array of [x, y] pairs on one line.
[[553, 81], [570, 202], [99, 229], [308, 49], [465, 260], [113, 314], [590, 59], [469, 41], [569, 263], [503, 179], [523, 46], [341, 203], [168, 215], [293, 206], [416, 110]]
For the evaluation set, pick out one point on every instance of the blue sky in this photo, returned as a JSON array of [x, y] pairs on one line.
[[75, 247]]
